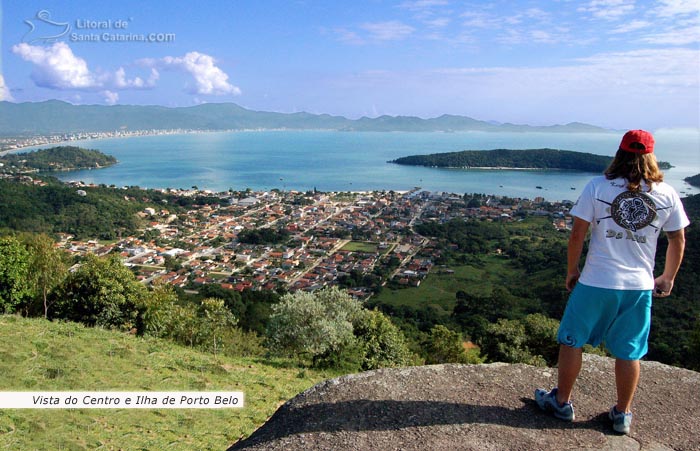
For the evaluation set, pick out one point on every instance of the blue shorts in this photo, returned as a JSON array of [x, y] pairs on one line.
[[619, 318]]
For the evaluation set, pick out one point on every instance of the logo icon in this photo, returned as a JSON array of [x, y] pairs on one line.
[[633, 211], [44, 30]]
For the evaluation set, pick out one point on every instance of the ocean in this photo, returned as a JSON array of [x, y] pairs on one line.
[[358, 161]]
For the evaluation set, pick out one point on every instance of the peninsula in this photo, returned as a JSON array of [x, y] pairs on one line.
[[544, 159], [62, 158]]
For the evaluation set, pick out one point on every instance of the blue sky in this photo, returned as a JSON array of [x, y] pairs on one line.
[[614, 63]]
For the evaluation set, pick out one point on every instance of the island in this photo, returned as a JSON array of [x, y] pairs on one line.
[[693, 180], [543, 159], [61, 158]]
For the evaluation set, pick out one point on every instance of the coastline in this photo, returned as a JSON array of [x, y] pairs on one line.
[[495, 168], [18, 144], [333, 161], [69, 138]]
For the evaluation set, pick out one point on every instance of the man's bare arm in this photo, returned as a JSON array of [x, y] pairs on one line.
[[674, 256], [578, 235]]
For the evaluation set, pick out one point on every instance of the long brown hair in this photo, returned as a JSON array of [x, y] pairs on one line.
[[635, 168]]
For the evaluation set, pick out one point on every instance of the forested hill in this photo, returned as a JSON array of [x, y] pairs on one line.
[[62, 158], [509, 158], [694, 180]]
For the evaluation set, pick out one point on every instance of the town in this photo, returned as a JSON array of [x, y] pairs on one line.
[[15, 143], [289, 240]]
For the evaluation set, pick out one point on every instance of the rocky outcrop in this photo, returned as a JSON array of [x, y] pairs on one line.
[[482, 407]]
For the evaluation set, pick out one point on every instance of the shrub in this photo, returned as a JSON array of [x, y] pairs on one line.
[[101, 292], [312, 325], [14, 273], [333, 330]]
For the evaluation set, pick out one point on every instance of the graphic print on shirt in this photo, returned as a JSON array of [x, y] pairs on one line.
[[633, 211]]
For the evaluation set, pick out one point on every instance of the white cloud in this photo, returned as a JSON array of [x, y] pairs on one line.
[[209, 79], [608, 9], [536, 13], [690, 35], [388, 31], [673, 8], [631, 26], [440, 22], [426, 10], [56, 66], [121, 82], [660, 70], [348, 36], [4, 91], [419, 5], [478, 19], [111, 98], [542, 36], [615, 89], [516, 27]]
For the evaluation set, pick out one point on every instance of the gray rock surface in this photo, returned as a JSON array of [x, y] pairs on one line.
[[482, 407]]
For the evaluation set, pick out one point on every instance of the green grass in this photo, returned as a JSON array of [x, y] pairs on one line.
[[360, 246], [38, 355], [440, 288]]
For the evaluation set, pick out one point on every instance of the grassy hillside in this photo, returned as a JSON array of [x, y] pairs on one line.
[[39, 355]]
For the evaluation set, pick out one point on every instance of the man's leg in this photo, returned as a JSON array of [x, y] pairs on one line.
[[569, 367], [626, 379]]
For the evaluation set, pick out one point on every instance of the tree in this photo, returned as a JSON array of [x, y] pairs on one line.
[[531, 340], [47, 267], [216, 321], [171, 263], [155, 310], [541, 334], [14, 272], [446, 346], [102, 292], [505, 341], [381, 343], [182, 324], [694, 353], [208, 324], [313, 325]]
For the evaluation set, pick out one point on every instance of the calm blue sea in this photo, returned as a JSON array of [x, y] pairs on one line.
[[357, 161]]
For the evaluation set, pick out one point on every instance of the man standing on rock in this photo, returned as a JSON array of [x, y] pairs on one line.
[[626, 209]]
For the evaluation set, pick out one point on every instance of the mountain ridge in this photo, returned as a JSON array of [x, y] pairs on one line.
[[56, 116]]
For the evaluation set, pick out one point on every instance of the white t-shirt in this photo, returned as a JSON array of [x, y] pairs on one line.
[[625, 226]]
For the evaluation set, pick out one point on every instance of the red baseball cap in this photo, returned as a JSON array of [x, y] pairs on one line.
[[637, 141]]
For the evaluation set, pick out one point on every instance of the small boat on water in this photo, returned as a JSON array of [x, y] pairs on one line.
[[538, 187]]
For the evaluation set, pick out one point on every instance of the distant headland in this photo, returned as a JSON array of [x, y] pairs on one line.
[[527, 159], [54, 116], [693, 180]]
